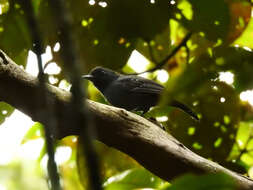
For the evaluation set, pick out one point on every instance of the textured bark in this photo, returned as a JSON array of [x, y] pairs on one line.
[[152, 147]]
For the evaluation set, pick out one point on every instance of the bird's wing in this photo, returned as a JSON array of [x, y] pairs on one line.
[[140, 85]]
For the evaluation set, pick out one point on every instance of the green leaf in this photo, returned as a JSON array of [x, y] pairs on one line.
[[36, 131], [5, 111], [132, 19], [156, 49], [211, 17], [108, 35], [207, 182], [133, 179], [14, 35], [239, 61], [246, 38], [98, 46]]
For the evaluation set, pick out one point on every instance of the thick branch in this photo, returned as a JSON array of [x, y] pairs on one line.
[[152, 147]]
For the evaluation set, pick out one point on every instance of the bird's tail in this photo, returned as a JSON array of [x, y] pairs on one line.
[[186, 109]]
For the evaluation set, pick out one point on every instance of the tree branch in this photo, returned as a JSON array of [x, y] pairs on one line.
[[166, 59], [152, 147]]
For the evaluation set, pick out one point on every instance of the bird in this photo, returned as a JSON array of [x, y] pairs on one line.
[[131, 92]]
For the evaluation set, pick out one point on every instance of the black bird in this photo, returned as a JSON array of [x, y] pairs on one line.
[[130, 92]]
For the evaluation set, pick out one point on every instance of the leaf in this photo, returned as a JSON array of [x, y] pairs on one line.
[[132, 19], [245, 40], [108, 34], [211, 17], [98, 46], [218, 107], [208, 182], [36, 131], [237, 60], [5, 111], [14, 34], [240, 15], [159, 46], [112, 162], [133, 179]]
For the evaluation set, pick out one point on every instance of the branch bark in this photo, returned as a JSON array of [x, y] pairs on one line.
[[152, 147]]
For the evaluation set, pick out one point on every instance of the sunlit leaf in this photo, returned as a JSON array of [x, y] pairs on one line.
[[5, 111], [111, 162], [36, 131], [210, 181], [133, 179], [246, 38], [240, 15]]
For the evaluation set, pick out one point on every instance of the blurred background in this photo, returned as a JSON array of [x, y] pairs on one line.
[[212, 72]]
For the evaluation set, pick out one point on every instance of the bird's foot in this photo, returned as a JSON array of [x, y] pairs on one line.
[[153, 120]]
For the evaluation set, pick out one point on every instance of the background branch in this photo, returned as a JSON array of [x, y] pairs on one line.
[[46, 110], [166, 59], [72, 62], [152, 147]]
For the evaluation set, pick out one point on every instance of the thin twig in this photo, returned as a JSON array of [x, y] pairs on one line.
[[151, 54], [72, 64], [163, 62], [46, 64], [46, 111], [187, 54]]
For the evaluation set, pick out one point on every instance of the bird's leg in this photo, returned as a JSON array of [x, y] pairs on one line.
[[153, 120], [144, 110], [138, 112]]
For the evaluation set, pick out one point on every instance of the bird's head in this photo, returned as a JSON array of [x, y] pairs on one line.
[[101, 77]]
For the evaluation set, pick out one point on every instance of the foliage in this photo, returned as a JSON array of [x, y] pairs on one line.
[[109, 31], [134, 179], [211, 181], [5, 111]]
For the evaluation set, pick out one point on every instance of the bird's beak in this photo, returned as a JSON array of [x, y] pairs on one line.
[[88, 77]]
